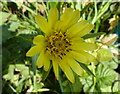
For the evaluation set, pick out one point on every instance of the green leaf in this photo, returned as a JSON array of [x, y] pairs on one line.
[[19, 88], [13, 17], [104, 55], [23, 69], [45, 74], [5, 33], [84, 9], [72, 87], [4, 17], [111, 64], [5, 56], [77, 86], [88, 84], [116, 86], [92, 35], [86, 69], [66, 86], [14, 26], [104, 75], [10, 74]]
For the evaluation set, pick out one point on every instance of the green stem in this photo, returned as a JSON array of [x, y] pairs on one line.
[[101, 12], [97, 26], [83, 16], [34, 58], [12, 88], [27, 8], [34, 79], [95, 17], [59, 80], [36, 3], [93, 67]]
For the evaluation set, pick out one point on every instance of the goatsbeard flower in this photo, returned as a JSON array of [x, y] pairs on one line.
[[62, 43]]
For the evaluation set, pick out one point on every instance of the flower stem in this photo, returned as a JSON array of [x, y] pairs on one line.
[[34, 58], [59, 80], [93, 67]]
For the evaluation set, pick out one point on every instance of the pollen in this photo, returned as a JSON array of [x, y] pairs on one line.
[[58, 44]]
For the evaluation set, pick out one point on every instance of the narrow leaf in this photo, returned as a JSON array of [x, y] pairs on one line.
[[86, 69], [45, 74], [92, 35]]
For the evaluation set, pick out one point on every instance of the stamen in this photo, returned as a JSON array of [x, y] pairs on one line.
[[66, 46], [67, 50], [58, 44]]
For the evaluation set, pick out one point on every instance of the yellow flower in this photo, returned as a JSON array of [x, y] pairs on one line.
[[62, 43]]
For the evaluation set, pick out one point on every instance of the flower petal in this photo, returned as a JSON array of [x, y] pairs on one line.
[[75, 66], [58, 25], [86, 30], [38, 62], [83, 46], [68, 72], [46, 61], [69, 18], [89, 56], [43, 59], [73, 30], [55, 67], [78, 56], [53, 16], [40, 39], [76, 39], [33, 51], [42, 23], [67, 14]]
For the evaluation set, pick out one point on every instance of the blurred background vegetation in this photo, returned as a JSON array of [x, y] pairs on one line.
[[20, 74]]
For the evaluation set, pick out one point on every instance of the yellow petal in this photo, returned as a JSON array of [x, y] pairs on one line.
[[86, 30], [53, 16], [55, 67], [104, 55], [78, 56], [40, 39], [46, 61], [68, 72], [43, 59], [75, 66], [73, 30], [33, 51], [76, 39], [42, 23], [69, 18], [58, 25], [67, 14], [38, 62], [75, 17], [83, 46], [89, 56]]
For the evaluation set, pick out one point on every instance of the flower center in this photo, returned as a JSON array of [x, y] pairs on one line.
[[58, 44]]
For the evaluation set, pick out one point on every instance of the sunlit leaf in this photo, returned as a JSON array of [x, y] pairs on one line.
[[3, 17], [14, 26], [104, 75], [104, 55]]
